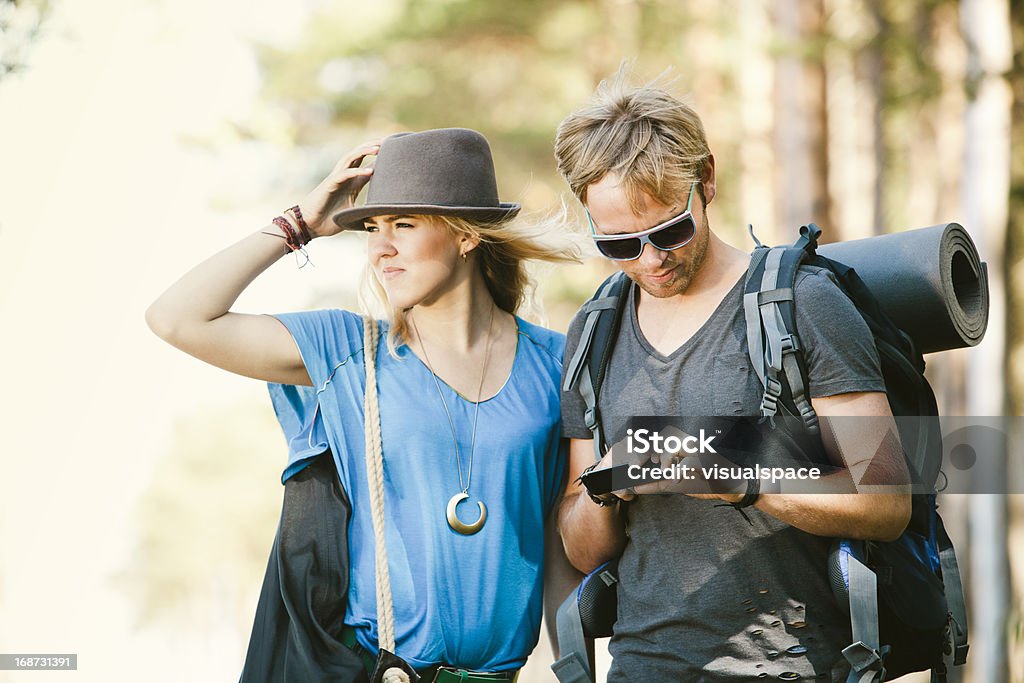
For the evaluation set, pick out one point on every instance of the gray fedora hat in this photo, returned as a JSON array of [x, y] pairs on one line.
[[448, 171]]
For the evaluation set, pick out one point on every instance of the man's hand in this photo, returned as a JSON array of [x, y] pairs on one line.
[[683, 472]]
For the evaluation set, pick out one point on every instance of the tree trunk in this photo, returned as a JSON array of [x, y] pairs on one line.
[[801, 117], [985, 26], [756, 155]]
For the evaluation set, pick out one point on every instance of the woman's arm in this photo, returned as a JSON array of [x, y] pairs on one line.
[[194, 314]]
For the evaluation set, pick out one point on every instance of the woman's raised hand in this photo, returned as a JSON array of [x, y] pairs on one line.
[[195, 315], [337, 191]]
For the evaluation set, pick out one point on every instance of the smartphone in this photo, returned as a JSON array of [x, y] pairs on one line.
[[606, 480]]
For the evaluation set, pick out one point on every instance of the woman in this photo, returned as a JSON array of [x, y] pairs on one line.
[[468, 396]]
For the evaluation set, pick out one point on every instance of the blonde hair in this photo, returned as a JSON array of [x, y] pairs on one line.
[[504, 250], [653, 141]]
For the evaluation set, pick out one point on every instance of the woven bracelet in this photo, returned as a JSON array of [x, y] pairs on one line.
[[291, 238], [296, 213]]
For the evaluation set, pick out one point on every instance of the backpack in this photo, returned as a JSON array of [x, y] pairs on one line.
[[905, 597], [587, 612]]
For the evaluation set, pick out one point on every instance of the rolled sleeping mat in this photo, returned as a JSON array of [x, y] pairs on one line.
[[929, 281]]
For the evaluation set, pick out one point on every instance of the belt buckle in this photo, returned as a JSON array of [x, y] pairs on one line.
[[456, 674], [447, 673]]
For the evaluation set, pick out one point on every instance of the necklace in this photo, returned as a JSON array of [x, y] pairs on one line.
[[454, 522]]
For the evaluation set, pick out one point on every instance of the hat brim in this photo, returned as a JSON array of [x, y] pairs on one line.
[[352, 219]]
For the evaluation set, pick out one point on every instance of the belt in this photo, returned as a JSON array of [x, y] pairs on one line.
[[348, 639], [438, 673], [450, 674]]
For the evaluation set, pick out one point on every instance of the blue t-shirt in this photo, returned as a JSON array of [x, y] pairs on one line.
[[472, 601]]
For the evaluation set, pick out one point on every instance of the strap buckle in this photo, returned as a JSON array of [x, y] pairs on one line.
[[958, 640], [571, 669], [863, 657], [810, 417], [770, 398]]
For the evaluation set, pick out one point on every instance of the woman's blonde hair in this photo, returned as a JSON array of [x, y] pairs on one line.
[[504, 250], [653, 141]]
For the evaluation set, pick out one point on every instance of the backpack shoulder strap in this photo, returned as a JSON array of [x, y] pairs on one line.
[[772, 340], [954, 589], [866, 655], [751, 288], [586, 368], [573, 664]]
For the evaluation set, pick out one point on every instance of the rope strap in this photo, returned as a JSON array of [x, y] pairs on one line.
[[375, 477]]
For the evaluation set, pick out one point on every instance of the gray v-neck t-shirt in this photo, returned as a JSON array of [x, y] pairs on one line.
[[704, 595]]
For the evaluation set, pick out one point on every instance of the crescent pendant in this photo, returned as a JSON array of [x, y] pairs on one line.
[[457, 524]]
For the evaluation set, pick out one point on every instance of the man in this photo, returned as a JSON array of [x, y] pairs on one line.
[[703, 594]]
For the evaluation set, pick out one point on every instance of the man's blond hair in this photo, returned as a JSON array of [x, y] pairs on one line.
[[650, 139]]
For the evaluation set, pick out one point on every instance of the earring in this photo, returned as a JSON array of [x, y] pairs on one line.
[[465, 256]]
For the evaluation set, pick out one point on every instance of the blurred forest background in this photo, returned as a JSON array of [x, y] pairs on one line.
[[864, 116]]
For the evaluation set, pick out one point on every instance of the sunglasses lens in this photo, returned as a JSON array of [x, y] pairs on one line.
[[668, 237], [674, 235], [620, 249]]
